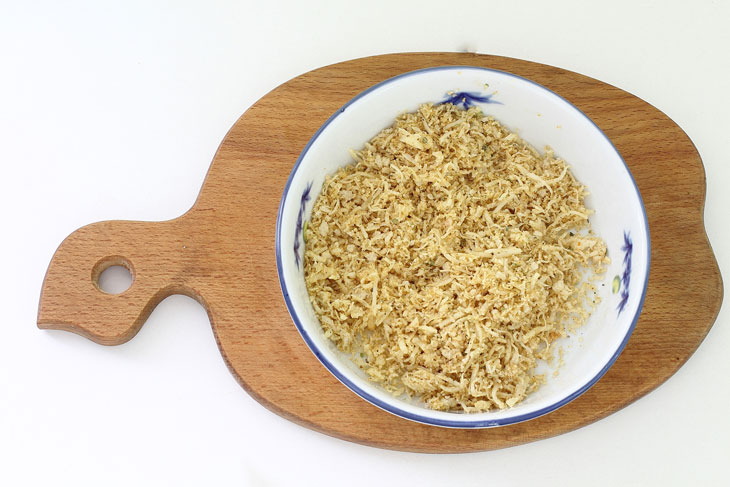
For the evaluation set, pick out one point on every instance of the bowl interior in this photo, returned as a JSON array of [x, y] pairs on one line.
[[541, 118]]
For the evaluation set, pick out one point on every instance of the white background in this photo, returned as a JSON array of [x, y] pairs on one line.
[[113, 110]]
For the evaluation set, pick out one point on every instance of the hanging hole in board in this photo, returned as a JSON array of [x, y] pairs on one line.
[[113, 275]]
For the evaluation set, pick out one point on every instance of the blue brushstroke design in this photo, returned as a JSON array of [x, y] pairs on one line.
[[467, 99], [628, 249], [300, 221]]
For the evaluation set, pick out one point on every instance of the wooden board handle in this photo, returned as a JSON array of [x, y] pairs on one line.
[[155, 253]]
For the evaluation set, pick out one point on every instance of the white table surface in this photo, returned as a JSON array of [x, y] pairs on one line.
[[115, 112]]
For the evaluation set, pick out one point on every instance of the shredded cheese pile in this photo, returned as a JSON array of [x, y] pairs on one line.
[[449, 257]]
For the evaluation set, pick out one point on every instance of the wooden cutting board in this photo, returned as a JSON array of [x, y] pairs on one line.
[[221, 253]]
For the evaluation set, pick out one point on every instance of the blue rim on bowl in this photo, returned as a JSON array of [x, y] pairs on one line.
[[391, 408]]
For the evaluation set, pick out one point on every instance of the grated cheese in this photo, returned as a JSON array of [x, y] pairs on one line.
[[449, 257]]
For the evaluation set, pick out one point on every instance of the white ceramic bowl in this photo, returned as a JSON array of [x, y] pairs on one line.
[[542, 118]]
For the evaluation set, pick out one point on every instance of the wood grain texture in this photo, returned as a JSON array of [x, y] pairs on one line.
[[221, 253]]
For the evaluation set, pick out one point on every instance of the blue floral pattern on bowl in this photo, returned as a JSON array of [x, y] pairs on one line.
[[628, 249], [300, 221], [467, 99]]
